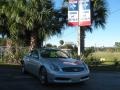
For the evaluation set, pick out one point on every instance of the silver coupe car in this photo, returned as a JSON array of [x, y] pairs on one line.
[[54, 66]]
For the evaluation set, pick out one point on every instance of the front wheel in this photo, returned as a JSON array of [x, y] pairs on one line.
[[43, 76]]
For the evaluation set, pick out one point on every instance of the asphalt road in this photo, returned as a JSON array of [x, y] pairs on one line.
[[13, 79]]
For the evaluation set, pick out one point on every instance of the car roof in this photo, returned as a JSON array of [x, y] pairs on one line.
[[49, 49]]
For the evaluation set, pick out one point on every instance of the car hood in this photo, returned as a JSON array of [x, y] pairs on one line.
[[64, 62]]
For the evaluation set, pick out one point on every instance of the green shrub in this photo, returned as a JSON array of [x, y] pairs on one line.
[[15, 57], [116, 62], [93, 61], [88, 52]]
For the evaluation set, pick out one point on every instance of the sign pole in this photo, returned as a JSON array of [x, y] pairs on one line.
[[79, 15], [78, 41], [84, 19]]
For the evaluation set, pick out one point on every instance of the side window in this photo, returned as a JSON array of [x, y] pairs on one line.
[[34, 54], [44, 54]]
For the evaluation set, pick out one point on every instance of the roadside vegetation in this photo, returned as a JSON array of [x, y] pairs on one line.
[[104, 60], [96, 59], [12, 55]]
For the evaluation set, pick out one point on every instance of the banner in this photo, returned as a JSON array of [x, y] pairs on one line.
[[73, 13], [84, 13]]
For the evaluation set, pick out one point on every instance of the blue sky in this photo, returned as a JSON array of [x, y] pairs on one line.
[[98, 37]]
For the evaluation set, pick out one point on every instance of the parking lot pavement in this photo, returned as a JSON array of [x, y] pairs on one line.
[[13, 79]]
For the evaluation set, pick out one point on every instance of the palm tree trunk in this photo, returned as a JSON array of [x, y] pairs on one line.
[[34, 40], [82, 40], [8, 44]]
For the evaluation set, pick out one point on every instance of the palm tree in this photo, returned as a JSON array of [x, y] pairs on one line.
[[34, 20], [3, 22], [99, 13]]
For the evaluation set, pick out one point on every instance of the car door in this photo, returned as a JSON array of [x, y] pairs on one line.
[[34, 62], [27, 62]]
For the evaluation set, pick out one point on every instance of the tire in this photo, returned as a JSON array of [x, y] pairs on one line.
[[23, 69], [43, 76]]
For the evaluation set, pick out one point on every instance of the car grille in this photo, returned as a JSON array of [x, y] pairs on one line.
[[73, 69], [61, 78]]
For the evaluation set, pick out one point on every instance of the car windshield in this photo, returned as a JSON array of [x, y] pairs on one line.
[[53, 54]]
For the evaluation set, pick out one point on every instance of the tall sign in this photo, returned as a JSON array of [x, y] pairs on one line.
[[84, 13], [79, 13], [73, 13]]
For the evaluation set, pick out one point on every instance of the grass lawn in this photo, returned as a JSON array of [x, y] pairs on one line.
[[108, 64], [108, 56]]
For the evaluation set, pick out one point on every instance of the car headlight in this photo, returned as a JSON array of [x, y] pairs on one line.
[[86, 66], [55, 67]]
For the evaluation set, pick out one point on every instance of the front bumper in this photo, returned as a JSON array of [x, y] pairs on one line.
[[68, 77]]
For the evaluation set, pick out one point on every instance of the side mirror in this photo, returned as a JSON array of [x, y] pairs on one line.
[[36, 56]]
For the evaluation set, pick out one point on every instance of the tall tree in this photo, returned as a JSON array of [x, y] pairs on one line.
[[34, 20]]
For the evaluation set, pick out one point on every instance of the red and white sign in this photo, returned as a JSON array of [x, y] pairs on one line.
[[73, 18], [73, 13], [84, 13], [79, 13]]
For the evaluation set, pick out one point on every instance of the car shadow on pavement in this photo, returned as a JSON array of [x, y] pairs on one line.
[[65, 85]]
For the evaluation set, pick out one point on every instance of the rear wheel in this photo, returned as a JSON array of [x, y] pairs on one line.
[[23, 69], [43, 76]]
